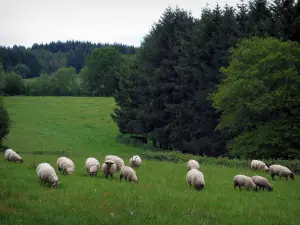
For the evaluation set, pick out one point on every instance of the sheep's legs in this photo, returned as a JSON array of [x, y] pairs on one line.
[[112, 176], [273, 177], [121, 176]]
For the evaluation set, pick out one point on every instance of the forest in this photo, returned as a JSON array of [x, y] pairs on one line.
[[224, 84]]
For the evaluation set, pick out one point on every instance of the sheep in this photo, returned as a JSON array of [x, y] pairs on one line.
[[109, 167], [262, 183], [65, 165], [46, 174], [242, 180], [11, 155], [119, 162], [195, 178], [192, 164], [135, 161], [128, 172], [258, 165], [280, 171], [92, 165]]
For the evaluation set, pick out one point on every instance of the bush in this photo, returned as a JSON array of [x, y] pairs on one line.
[[4, 121], [176, 156]]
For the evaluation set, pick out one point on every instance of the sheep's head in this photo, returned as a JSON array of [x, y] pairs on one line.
[[135, 179], [70, 170], [55, 184], [292, 176], [109, 163], [21, 160], [266, 169], [270, 188], [199, 186]]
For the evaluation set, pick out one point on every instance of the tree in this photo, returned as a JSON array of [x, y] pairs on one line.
[[5, 121], [61, 81], [14, 84], [259, 100], [22, 70], [2, 80], [102, 70]]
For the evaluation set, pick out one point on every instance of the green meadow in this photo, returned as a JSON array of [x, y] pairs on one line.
[[45, 128]]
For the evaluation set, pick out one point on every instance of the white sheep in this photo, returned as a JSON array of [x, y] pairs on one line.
[[128, 173], [135, 161], [46, 174], [119, 162], [195, 178], [192, 164], [92, 166], [109, 167], [65, 165], [258, 165], [262, 183], [11, 155], [243, 181], [280, 171]]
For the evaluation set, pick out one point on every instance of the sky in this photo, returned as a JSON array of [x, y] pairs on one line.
[[24, 22]]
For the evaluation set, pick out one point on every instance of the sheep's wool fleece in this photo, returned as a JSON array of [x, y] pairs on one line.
[[11, 155], [245, 181], [259, 180], [107, 170], [46, 172], [128, 172], [194, 177], [92, 164], [257, 164], [120, 162], [193, 164], [66, 164], [279, 170], [135, 161]]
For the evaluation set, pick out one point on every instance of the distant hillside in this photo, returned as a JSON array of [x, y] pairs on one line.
[[31, 62]]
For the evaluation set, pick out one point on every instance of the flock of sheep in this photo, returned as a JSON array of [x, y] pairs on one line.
[[47, 175], [112, 164]]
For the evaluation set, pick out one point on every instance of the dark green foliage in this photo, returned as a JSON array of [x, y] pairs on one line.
[[5, 121], [102, 71], [166, 98], [13, 84], [259, 98], [50, 57]]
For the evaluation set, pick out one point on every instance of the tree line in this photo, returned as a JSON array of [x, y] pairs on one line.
[[224, 84], [49, 57]]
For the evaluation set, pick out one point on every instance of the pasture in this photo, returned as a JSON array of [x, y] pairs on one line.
[[82, 127]]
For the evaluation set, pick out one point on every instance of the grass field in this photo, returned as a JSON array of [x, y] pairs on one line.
[[83, 127]]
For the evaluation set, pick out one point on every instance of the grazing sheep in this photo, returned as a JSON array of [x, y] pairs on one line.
[[92, 166], [47, 174], [119, 162], [128, 172], [280, 171], [65, 165], [195, 178], [109, 167], [192, 164], [242, 180], [262, 183], [11, 155], [135, 161], [258, 165]]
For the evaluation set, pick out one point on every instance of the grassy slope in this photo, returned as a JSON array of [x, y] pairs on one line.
[[83, 126]]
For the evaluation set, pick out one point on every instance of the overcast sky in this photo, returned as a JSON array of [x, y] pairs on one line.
[[24, 22]]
